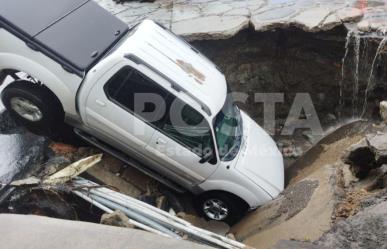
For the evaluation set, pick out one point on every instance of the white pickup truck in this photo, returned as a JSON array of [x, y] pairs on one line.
[[143, 95]]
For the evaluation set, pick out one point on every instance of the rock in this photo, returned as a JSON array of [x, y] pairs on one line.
[[367, 229], [106, 177], [360, 157], [378, 145], [383, 110], [117, 219], [231, 236], [364, 26]]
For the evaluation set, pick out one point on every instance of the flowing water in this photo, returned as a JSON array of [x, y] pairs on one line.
[[343, 64], [370, 78], [356, 61], [356, 76]]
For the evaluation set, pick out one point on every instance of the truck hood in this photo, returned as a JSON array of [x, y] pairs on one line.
[[259, 158]]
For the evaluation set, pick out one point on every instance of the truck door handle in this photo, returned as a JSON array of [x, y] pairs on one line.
[[100, 102], [161, 141]]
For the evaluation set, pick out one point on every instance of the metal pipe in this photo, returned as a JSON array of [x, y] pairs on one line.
[[107, 210], [160, 216], [136, 216], [130, 200], [191, 230]]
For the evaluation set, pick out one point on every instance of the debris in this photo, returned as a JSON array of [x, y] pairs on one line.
[[53, 165], [378, 145], [26, 182], [351, 204], [383, 110], [43, 203], [72, 170], [117, 218], [104, 175], [63, 149], [146, 216]]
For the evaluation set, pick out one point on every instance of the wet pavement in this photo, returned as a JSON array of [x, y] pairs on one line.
[[19, 149]]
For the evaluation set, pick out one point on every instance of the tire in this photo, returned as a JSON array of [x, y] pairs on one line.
[[236, 207], [33, 106]]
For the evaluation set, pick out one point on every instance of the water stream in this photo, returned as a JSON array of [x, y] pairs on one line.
[[370, 78], [343, 64], [356, 76], [357, 61]]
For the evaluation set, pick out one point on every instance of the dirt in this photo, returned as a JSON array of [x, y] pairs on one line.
[[297, 198], [191, 71], [330, 153], [350, 205]]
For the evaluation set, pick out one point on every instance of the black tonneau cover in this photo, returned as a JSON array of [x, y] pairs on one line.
[[75, 33]]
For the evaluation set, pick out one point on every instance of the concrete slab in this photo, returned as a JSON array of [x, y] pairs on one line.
[[207, 19], [31, 232]]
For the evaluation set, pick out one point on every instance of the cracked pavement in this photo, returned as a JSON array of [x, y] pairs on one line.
[[209, 19]]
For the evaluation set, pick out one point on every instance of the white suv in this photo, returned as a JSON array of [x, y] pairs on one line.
[[143, 95]]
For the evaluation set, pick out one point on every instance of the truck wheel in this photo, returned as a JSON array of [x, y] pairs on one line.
[[221, 206], [33, 106]]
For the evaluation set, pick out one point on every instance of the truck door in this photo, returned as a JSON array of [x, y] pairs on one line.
[[110, 110], [181, 141]]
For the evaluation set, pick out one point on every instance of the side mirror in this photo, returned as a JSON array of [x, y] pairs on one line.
[[207, 157]]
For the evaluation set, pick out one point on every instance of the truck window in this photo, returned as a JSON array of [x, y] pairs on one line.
[[180, 121], [188, 127], [123, 87]]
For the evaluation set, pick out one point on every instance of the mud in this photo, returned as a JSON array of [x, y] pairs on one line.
[[297, 197]]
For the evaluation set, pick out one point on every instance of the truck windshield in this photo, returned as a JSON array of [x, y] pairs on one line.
[[228, 130]]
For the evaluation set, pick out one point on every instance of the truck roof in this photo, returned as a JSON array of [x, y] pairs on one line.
[[181, 64], [75, 33]]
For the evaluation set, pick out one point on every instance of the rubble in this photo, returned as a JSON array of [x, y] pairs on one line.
[[117, 218], [366, 229], [110, 179], [378, 144], [147, 217]]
